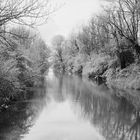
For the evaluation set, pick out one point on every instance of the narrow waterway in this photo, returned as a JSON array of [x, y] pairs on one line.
[[71, 108]]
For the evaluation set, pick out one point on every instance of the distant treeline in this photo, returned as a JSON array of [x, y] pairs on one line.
[[106, 49]]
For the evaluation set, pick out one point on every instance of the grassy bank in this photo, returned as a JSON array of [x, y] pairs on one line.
[[105, 69], [128, 78]]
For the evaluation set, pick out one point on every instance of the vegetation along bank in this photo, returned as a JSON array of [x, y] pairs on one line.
[[106, 49], [23, 54]]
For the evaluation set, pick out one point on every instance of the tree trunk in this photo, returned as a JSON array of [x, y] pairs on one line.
[[137, 49]]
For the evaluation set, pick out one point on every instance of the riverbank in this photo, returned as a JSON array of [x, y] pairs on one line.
[[127, 78], [104, 69], [12, 92], [23, 65]]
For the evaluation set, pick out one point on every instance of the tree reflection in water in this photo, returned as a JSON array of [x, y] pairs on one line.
[[20, 116], [116, 114]]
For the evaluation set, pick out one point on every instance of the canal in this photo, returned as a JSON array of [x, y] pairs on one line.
[[72, 108]]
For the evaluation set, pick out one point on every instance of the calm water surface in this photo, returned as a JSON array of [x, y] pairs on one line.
[[69, 108]]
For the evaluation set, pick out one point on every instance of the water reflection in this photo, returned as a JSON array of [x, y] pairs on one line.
[[115, 114], [16, 120], [76, 109]]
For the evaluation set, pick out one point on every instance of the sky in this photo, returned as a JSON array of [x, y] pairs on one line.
[[69, 17]]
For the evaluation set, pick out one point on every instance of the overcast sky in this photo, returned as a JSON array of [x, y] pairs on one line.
[[72, 14]]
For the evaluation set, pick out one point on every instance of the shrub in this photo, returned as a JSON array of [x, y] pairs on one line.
[[96, 66]]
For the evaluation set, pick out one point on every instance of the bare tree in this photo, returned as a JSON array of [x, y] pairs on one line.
[[25, 12], [57, 43], [21, 12], [124, 22]]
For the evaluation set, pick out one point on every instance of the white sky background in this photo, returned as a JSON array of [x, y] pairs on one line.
[[69, 17]]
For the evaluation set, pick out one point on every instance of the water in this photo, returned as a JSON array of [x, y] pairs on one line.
[[69, 108]]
